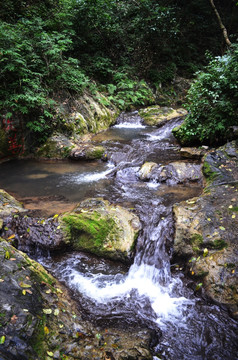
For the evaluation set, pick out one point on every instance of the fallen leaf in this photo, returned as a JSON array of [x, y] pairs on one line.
[[2, 339], [55, 216], [11, 237], [198, 286], [47, 311], [205, 252], [233, 216], [23, 292], [222, 228], [14, 319], [24, 285], [46, 330], [7, 255], [56, 312], [50, 353], [231, 206], [208, 219], [1, 280]]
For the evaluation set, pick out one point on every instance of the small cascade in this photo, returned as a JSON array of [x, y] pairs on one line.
[[129, 120]]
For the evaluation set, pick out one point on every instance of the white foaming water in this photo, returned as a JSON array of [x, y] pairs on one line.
[[129, 125], [103, 289], [93, 176], [162, 135], [153, 184]]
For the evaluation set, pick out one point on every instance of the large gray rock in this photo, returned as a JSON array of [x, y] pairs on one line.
[[177, 172], [98, 227], [206, 229]]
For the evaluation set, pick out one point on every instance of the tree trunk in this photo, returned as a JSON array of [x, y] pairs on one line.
[[222, 26]]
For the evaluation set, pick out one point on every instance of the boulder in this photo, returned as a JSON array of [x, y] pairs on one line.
[[146, 170], [157, 116], [206, 229], [192, 152], [8, 206], [39, 320], [58, 146], [87, 114], [87, 152], [103, 229], [177, 172]]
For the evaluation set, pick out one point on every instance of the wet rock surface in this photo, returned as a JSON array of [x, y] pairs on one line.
[[98, 227], [206, 229], [39, 320], [177, 172], [94, 226], [157, 115], [59, 146]]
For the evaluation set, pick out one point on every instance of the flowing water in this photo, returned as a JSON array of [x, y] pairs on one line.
[[148, 293]]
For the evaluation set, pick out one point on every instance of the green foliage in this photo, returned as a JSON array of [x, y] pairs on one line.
[[126, 92], [33, 69], [212, 102]]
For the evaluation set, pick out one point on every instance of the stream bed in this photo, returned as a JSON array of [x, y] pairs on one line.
[[151, 292]]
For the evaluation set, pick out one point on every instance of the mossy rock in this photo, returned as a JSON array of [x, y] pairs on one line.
[[9, 205], [157, 116], [57, 146], [100, 228]]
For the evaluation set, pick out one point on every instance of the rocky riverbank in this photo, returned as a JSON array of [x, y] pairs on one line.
[[206, 229]]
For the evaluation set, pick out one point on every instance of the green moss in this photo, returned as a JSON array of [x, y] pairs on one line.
[[196, 240], [39, 337], [219, 244], [208, 173], [89, 230], [95, 152]]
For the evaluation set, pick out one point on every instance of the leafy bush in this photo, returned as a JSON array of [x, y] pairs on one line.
[[34, 67], [212, 102], [126, 92]]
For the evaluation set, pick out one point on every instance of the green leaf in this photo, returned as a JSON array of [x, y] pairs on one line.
[[2, 339]]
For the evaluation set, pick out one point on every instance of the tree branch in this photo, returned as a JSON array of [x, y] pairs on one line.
[[222, 26]]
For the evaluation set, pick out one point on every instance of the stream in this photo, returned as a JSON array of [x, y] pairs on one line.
[[151, 292]]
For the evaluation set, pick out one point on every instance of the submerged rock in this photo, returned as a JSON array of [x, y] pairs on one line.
[[206, 229], [103, 229], [157, 116], [39, 320]]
